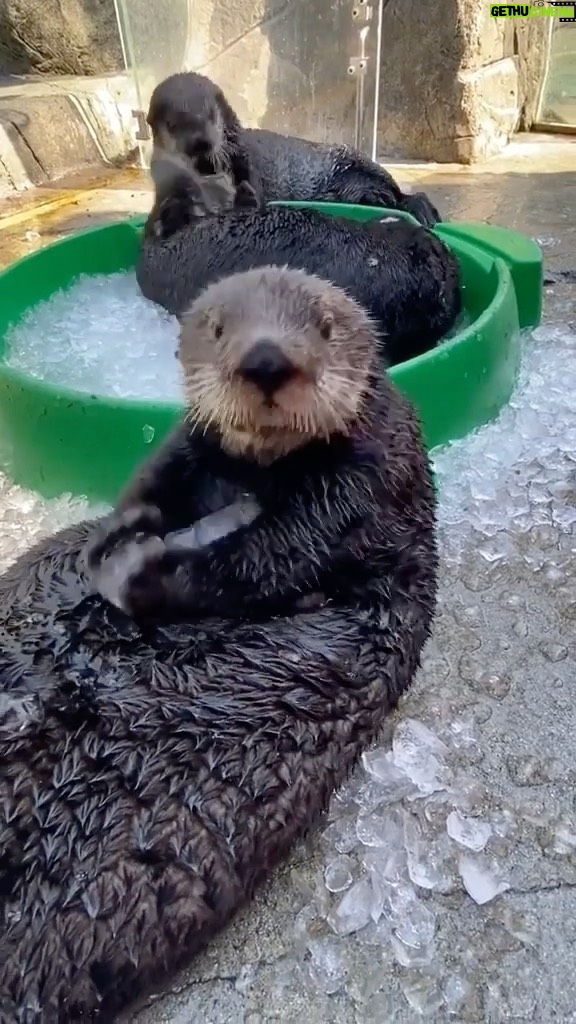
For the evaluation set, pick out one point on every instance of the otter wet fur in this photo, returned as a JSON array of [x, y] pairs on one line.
[[404, 276], [160, 753], [189, 114], [179, 195]]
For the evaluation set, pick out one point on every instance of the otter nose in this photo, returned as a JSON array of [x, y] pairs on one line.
[[266, 366]]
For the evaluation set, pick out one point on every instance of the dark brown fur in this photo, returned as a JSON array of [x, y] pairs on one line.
[[152, 775], [182, 196], [404, 275], [190, 115]]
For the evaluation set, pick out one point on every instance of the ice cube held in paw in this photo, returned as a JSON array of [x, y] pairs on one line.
[[215, 526], [116, 570]]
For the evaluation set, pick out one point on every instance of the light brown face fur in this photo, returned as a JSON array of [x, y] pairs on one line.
[[327, 337], [184, 138]]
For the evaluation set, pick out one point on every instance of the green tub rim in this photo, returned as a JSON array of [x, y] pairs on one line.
[[511, 266]]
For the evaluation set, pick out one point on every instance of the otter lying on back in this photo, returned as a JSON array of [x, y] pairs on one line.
[[153, 773], [402, 274], [189, 115]]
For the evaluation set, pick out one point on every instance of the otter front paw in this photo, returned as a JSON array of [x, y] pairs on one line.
[[150, 590], [245, 197], [120, 548]]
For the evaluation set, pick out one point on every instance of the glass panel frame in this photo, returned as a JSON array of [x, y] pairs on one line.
[[317, 73], [557, 101]]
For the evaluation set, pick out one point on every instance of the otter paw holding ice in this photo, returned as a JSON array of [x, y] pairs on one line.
[[150, 584], [120, 548]]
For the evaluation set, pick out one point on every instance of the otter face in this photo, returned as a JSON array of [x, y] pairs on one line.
[[185, 119], [274, 358]]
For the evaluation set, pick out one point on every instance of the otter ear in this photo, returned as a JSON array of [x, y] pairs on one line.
[[325, 326]]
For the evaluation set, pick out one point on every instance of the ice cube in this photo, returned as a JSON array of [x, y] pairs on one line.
[[418, 752], [394, 784], [100, 335], [353, 911], [417, 926], [470, 832], [338, 873], [378, 829], [423, 993], [408, 956], [457, 992], [341, 835], [483, 880], [327, 966], [427, 858]]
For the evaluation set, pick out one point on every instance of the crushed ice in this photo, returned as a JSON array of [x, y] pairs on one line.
[[416, 826], [417, 833], [100, 336]]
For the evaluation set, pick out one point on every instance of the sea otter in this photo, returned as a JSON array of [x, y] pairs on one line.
[[161, 748], [189, 114], [405, 277]]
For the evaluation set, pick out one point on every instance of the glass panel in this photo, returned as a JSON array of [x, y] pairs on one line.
[[558, 97], [308, 67], [154, 36]]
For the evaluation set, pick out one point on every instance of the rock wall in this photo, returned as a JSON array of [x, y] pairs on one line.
[[454, 82], [59, 37]]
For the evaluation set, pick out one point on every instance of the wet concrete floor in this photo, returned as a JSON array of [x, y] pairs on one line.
[[520, 974]]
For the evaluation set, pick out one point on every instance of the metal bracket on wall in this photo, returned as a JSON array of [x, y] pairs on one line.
[[143, 132], [357, 68], [362, 11]]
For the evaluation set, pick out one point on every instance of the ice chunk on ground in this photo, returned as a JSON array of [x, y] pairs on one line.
[[483, 881], [470, 832], [102, 336], [418, 752], [353, 911], [408, 956], [423, 993], [416, 926], [393, 783], [327, 966], [427, 858], [377, 829], [457, 991], [338, 874]]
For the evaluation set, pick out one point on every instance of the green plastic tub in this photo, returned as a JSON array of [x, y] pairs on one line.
[[58, 441]]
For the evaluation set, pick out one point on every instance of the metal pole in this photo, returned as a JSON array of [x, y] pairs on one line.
[[377, 85]]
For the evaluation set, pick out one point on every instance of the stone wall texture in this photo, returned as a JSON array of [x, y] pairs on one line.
[[454, 82]]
